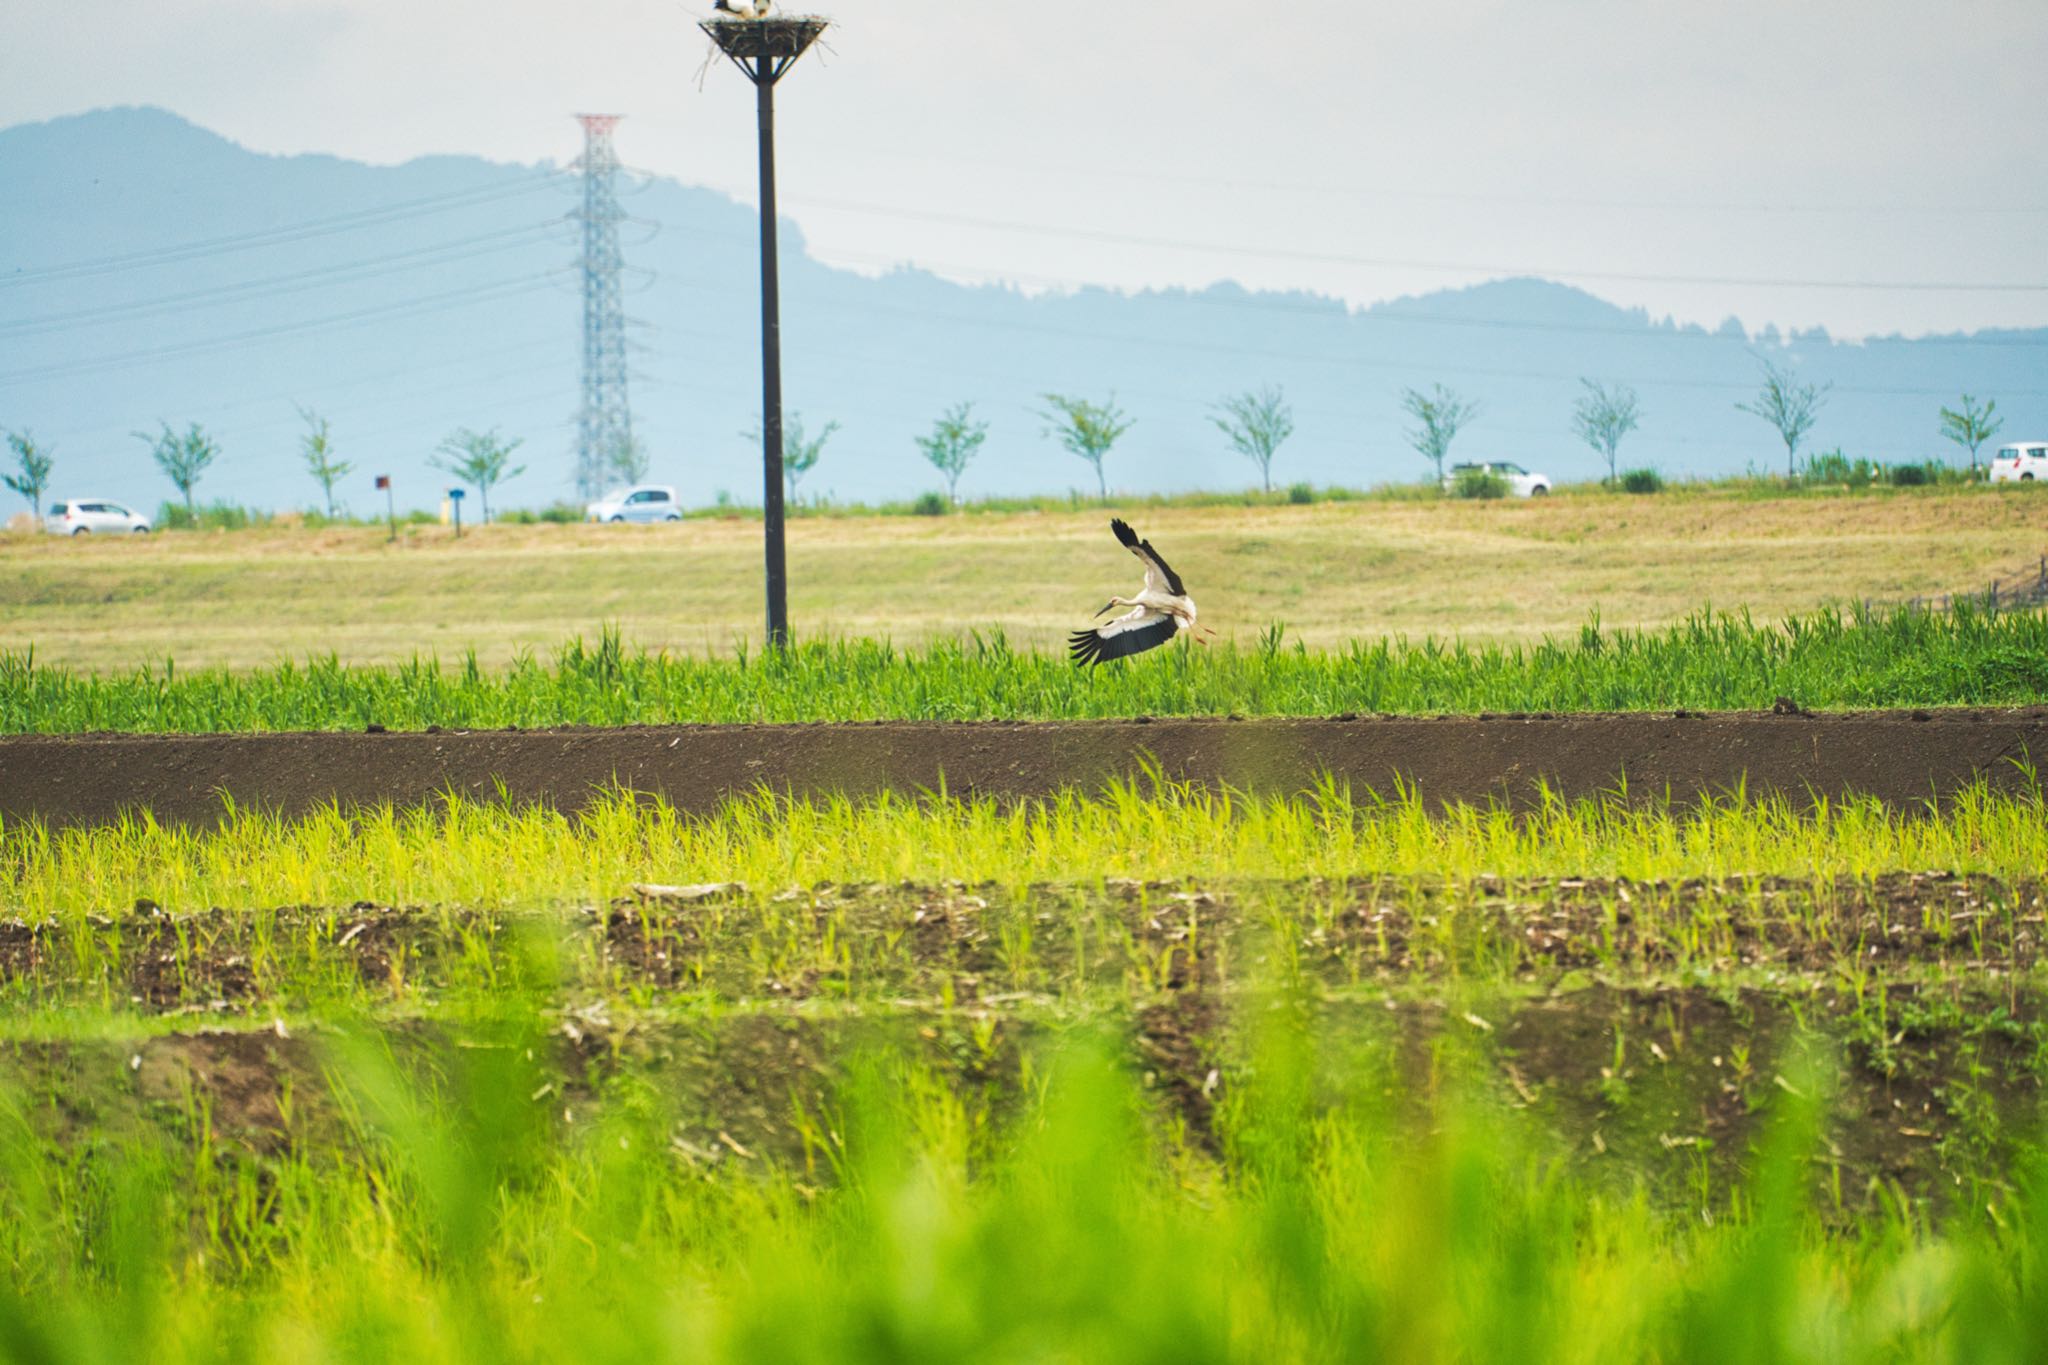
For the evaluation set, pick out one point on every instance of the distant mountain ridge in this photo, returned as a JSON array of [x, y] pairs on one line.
[[152, 270]]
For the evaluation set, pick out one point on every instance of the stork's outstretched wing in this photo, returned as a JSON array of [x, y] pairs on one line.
[[1158, 576], [1132, 633]]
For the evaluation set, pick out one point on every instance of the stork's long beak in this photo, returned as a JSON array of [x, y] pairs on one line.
[[1105, 607]]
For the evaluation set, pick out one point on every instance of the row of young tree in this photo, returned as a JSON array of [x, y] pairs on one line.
[[1255, 423], [481, 459], [1605, 413], [182, 456]]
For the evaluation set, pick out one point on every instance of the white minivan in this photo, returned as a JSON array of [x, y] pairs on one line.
[[2020, 462], [82, 516], [642, 502], [1522, 483]]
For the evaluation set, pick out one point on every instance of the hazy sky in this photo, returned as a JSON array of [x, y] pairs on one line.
[[1773, 159]]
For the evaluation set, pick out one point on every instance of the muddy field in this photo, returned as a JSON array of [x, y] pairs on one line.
[[1901, 757]]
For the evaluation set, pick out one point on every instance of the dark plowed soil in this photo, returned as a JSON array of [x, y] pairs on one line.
[[1901, 757], [1667, 1086], [1175, 945]]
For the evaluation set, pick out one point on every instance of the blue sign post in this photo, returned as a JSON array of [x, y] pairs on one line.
[[455, 498]]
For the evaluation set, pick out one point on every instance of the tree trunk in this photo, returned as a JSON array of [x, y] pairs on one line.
[[1101, 483]]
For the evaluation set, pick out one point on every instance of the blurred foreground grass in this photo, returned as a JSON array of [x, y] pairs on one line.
[[468, 1213]]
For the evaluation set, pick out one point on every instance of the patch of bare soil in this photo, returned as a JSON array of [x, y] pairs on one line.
[[1901, 757], [1174, 944], [1672, 1086], [1719, 924]]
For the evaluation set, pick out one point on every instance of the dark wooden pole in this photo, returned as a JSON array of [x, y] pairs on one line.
[[771, 367]]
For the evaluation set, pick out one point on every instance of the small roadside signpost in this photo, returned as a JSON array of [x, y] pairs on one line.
[[455, 500], [390, 504]]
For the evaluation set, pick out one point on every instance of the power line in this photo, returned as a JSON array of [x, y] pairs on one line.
[[1067, 168], [322, 277], [1389, 262], [327, 387], [1333, 308], [502, 289], [1337, 310], [1352, 362], [1123, 173], [291, 232]]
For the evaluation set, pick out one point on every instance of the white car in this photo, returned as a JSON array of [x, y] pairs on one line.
[[2020, 462], [83, 516], [1521, 482], [641, 502]]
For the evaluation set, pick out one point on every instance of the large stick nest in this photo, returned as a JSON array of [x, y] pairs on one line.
[[781, 37]]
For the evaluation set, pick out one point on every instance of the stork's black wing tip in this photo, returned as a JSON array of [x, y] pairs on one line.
[[1124, 534], [1085, 646]]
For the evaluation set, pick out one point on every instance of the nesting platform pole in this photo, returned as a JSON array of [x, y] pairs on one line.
[[763, 49]]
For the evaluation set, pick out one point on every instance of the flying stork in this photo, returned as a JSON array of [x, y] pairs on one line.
[[745, 9], [1161, 609]]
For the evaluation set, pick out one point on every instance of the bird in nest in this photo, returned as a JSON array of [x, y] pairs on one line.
[[745, 9], [1161, 610]]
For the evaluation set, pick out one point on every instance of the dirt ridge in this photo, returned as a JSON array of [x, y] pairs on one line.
[[1903, 758]]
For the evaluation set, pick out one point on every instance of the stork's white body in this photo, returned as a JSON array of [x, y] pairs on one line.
[[1150, 603], [1161, 610]]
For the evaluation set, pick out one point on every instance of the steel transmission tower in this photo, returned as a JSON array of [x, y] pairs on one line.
[[604, 426]]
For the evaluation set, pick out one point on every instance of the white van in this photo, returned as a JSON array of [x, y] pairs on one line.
[[642, 502], [1522, 483], [82, 516], [2020, 462]]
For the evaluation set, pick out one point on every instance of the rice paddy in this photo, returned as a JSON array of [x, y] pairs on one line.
[[1165, 1072]]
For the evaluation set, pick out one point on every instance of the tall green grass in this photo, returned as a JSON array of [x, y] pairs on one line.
[[456, 1217], [1709, 662], [486, 856]]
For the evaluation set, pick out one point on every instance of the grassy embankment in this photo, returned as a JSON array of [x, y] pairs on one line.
[[1335, 573], [1445, 1112], [1893, 658]]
